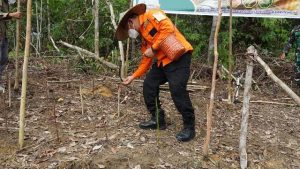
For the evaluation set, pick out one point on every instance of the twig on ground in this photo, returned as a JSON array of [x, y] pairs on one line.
[[81, 99]]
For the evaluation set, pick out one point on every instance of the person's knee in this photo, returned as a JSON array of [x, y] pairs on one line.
[[147, 85], [177, 89]]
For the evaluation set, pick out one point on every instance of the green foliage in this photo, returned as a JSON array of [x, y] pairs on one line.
[[72, 21]]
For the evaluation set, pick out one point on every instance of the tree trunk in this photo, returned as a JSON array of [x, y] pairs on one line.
[[127, 50], [41, 25], [245, 115], [96, 13], [48, 20], [230, 58], [37, 45], [210, 56], [122, 55], [18, 29], [24, 77], [49, 28], [213, 85]]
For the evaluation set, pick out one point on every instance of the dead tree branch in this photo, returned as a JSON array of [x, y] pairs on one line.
[[252, 52], [106, 63]]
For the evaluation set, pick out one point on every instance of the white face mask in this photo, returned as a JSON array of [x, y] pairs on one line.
[[132, 33]]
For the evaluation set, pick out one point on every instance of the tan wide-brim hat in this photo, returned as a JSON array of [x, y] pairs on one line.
[[122, 30]]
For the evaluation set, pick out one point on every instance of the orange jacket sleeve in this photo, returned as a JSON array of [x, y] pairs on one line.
[[143, 67], [165, 28]]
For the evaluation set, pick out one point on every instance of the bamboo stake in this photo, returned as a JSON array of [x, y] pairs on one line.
[[18, 29], [25, 69], [245, 115], [213, 85]]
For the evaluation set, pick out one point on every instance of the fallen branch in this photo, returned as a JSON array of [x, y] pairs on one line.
[[66, 81], [53, 43], [191, 88], [252, 52], [270, 102], [267, 102], [90, 54]]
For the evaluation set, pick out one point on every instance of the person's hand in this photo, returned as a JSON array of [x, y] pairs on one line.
[[16, 15], [149, 52], [128, 80], [282, 56]]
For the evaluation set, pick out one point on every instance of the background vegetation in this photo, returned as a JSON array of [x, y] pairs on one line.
[[72, 21]]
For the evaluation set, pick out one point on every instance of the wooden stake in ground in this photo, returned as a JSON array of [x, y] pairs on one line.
[[9, 89], [213, 85], [18, 29], [293, 95], [119, 98], [245, 115], [24, 79]]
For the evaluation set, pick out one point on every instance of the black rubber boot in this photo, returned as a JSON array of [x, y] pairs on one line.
[[186, 134], [152, 123]]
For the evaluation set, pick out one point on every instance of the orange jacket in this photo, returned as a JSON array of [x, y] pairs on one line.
[[155, 27]]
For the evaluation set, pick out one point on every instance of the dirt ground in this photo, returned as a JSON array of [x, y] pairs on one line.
[[64, 132]]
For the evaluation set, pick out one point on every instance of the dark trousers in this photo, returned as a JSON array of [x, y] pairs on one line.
[[177, 74], [3, 54]]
